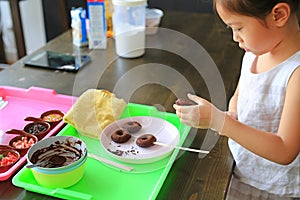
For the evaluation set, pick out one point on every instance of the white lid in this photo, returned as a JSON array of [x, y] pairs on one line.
[[152, 13], [129, 2]]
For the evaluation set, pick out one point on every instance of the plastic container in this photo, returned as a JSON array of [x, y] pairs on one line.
[[64, 176], [129, 19], [153, 17], [108, 16]]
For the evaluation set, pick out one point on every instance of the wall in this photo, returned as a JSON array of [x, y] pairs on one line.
[[46, 19], [7, 32], [33, 24], [57, 15], [33, 27], [183, 5]]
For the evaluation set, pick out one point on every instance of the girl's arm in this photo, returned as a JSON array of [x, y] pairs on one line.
[[281, 148]]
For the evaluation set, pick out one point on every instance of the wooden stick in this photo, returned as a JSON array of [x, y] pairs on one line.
[[182, 148]]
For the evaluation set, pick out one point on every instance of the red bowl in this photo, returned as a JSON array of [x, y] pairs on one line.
[[22, 143], [8, 157], [53, 117], [39, 128]]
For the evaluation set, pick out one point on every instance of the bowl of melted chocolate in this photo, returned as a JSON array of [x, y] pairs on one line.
[[58, 161]]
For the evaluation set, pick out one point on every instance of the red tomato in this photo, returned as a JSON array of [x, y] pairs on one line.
[[10, 158]]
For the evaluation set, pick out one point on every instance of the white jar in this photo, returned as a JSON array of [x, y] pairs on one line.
[[129, 20]]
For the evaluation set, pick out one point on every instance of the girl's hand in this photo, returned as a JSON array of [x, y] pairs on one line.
[[203, 115]]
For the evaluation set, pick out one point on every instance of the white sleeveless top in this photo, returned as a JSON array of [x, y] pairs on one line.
[[260, 103]]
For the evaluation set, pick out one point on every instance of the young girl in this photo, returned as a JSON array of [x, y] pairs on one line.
[[262, 121]]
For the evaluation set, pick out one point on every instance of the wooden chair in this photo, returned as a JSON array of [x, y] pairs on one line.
[[18, 31], [2, 52], [18, 28]]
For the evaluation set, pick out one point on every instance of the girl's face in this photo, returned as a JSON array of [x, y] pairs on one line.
[[251, 33]]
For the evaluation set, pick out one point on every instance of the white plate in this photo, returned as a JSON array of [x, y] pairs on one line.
[[130, 152]]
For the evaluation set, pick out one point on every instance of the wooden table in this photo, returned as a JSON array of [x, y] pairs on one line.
[[174, 63]]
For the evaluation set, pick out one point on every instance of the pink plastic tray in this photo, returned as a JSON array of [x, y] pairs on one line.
[[28, 102]]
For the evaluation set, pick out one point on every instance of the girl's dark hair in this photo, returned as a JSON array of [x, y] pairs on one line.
[[255, 8]]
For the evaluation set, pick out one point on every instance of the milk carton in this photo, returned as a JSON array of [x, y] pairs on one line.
[[97, 24], [78, 24]]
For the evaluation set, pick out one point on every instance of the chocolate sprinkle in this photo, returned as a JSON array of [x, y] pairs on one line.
[[131, 151]]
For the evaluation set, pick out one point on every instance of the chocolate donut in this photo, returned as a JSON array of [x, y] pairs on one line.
[[132, 126], [120, 136], [184, 102], [146, 140]]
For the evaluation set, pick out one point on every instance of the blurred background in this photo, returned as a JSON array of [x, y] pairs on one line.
[[43, 20]]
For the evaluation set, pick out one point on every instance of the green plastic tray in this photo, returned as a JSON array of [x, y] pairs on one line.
[[102, 181]]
